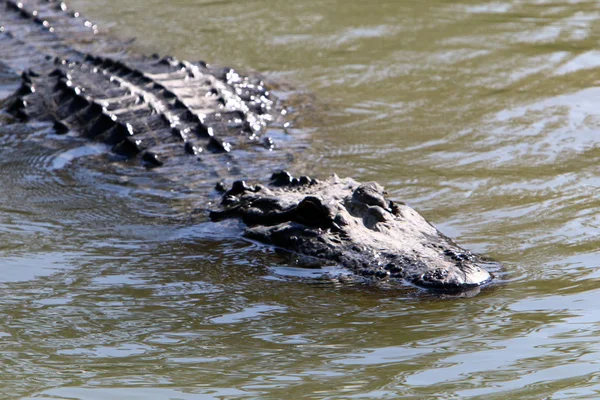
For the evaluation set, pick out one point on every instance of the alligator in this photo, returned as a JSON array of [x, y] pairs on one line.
[[158, 112]]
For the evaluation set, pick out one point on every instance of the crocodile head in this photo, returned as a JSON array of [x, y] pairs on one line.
[[353, 225]]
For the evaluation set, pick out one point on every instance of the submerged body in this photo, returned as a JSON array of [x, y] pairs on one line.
[[162, 111]]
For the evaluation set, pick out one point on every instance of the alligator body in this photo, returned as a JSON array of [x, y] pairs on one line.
[[159, 112]]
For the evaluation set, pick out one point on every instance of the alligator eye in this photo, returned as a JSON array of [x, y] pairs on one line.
[[369, 194], [379, 213], [311, 211]]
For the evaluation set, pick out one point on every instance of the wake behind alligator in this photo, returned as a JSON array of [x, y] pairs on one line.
[[158, 112]]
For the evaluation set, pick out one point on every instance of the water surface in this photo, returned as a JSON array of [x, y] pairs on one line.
[[481, 115]]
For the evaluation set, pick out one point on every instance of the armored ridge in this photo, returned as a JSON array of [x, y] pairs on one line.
[[141, 106], [162, 111]]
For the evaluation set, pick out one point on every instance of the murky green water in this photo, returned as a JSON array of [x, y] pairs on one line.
[[482, 115]]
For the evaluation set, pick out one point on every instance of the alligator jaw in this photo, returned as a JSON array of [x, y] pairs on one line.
[[354, 225]]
